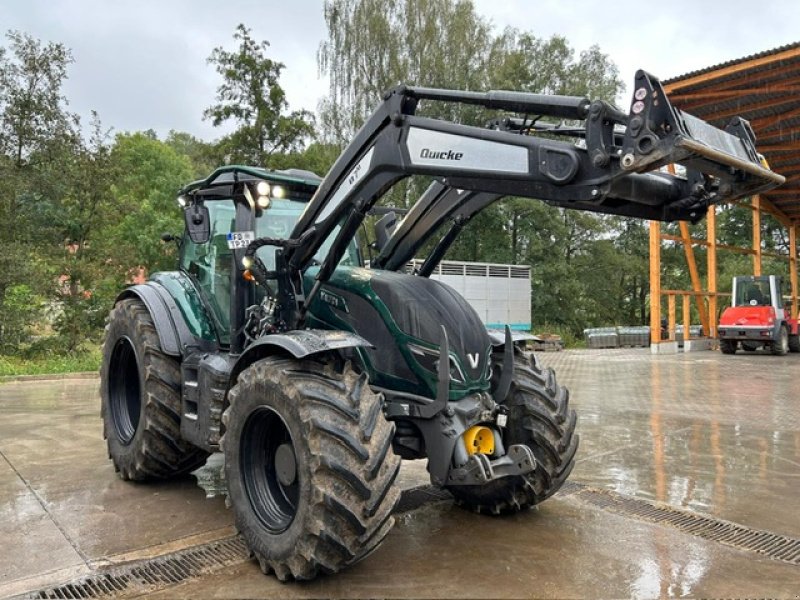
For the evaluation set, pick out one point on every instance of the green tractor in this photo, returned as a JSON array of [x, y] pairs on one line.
[[315, 375]]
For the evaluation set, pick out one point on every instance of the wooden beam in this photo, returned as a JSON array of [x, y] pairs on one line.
[[769, 207], [717, 94], [793, 267], [749, 108], [671, 318], [765, 77], [779, 147], [783, 191], [763, 123], [655, 282], [697, 285], [787, 156], [697, 242], [757, 234], [739, 67], [687, 319], [711, 226], [786, 134]]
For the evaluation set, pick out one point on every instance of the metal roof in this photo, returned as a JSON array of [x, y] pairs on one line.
[[763, 88]]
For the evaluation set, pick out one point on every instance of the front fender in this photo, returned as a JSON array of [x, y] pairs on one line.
[[173, 334], [300, 343], [498, 337]]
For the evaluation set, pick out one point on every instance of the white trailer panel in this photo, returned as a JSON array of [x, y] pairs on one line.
[[500, 294]]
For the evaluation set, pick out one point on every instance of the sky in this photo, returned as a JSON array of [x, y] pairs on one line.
[[142, 63]]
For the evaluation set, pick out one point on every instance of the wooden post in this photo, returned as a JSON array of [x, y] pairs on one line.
[[757, 235], [686, 317], [671, 317], [712, 270], [655, 282], [793, 266], [695, 275]]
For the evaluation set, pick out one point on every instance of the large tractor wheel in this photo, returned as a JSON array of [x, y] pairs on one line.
[[140, 390], [781, 345], [728, 346], [309, 466], [794, 343], [539, 417]]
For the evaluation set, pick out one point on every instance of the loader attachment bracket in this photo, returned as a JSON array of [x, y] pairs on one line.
[[659, 134]]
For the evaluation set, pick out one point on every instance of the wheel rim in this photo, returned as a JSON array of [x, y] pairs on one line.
[[124, 391], [269, 470], [784, 340]]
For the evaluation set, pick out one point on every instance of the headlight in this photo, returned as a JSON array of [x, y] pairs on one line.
[[262, 188], [429, 359]]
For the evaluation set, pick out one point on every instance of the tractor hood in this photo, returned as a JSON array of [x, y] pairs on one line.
[[402, 316], [748, 316]]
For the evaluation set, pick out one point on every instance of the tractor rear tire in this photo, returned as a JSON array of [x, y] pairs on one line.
[[539, 417], [728, 346], [140, 391], [309, 466], [794, 343], [781, 345]]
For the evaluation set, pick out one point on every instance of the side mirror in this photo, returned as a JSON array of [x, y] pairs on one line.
[[198, 225], [384, 228]]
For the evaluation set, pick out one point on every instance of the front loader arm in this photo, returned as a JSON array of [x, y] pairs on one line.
[[603, 175]]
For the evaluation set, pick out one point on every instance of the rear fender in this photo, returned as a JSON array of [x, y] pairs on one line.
[[300, 343]]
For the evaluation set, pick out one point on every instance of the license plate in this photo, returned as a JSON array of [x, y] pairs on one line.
[[240, 239]]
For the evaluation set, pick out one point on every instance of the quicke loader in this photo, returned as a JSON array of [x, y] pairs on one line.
[[314, 375]]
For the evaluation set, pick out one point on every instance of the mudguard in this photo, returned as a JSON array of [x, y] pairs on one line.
[[173, 333], [299, 343], [498, 337]]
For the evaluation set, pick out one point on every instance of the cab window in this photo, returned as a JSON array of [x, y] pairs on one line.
[[210, 264]]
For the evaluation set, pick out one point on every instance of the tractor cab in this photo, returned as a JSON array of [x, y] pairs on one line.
[[221, 221], [758, 291]]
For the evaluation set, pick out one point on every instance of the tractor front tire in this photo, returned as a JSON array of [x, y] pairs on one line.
[[781, 345], [794, 343], [728, 346], [539, 417], [309, 466], [140, 391]]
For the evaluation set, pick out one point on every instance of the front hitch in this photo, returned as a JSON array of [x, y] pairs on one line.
[[480, 469]]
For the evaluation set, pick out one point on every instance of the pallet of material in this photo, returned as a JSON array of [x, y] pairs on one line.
[[547, 342]]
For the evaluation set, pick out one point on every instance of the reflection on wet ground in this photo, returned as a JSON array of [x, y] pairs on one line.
[[712, 434], [717, 434]]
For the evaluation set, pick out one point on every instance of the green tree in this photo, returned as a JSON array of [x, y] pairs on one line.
[[84, 207], [147, 175], [433, 43], [34, 128], [251, 97], [203, 156]]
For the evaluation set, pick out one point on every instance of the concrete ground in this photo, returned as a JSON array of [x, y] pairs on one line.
[[674, 450]]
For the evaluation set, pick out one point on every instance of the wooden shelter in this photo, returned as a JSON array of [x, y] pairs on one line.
[[764, 89]]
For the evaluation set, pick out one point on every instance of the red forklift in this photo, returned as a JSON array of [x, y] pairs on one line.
[[758, 317]]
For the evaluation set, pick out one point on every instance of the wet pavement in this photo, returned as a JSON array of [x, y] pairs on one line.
[[710, 435]]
